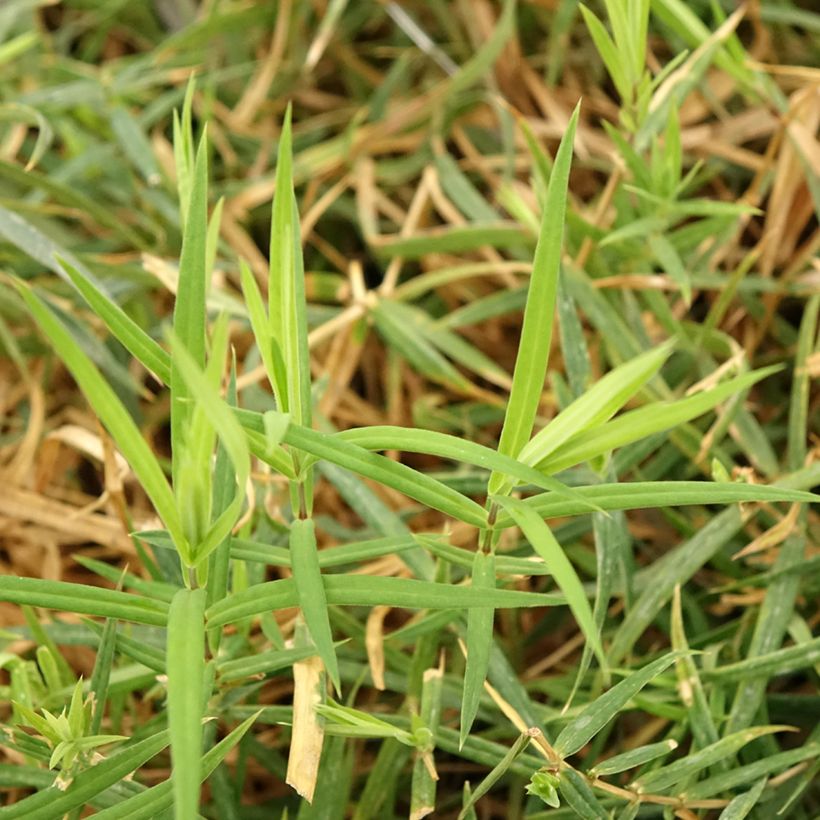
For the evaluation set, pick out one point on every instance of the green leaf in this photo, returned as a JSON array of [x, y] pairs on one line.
[[452, 240], [579, 796], [113, 415], [355, 590], [310, 593], [742, 775], [152, 802], [740, 806], [636, 495], [412, 483], [135, 144], [479, 640], [669, 258], [598, 404], [536, 333], [638, 424], [480, 63], [138, 343], [780, 662], [668, 776], [497, 773], [186, 673], [101, 675], [410, 440], [262, 663], [52, 802], [230, 432], [267, 344], [608, 52], [84, 599], [504, 564], [402, 328], [544, 543], [579, 731], [286, 286], [189, 306], [544, 786], [633, 758]]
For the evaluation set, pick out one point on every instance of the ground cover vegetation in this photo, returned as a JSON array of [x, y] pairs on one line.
[[409, 409]]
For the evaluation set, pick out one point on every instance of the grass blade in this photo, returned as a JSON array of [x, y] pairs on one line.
[[189, 307], [740, 806], [124, 328], [186, 673], [355, 590], [633, 758], [430, 442], [85, 600], [693, 763], [53, 802], [479, 640], [598, 404], [113, 415], [544, 543], [286, 286], [637, 424], [230, 432], [154, 801], [412, 483], [579, 796], [310, 591], [635, 495], [579, 731], [536, 332]]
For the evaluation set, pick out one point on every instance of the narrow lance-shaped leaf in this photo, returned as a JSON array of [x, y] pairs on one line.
[[101, 675], [638, 424], [138, 343], [113, 415], [355, 590], [183, 133], [153, 802], [598, 404], [691, 691], [479, 640], [693, 763], [411, 482], [578, 794], [497, 773], [52, 802], [579, 731], [189, 307], [232, 437], [86, 600], [536, 333], [431, 442], [752, 772], [186, 674], [633, 758], [740, 806], [478, 65], [223, 489], [286, 287], [310, 592], [265, 341], [545, 544]]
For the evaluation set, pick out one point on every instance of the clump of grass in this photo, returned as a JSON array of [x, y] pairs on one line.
[[485, 602]]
